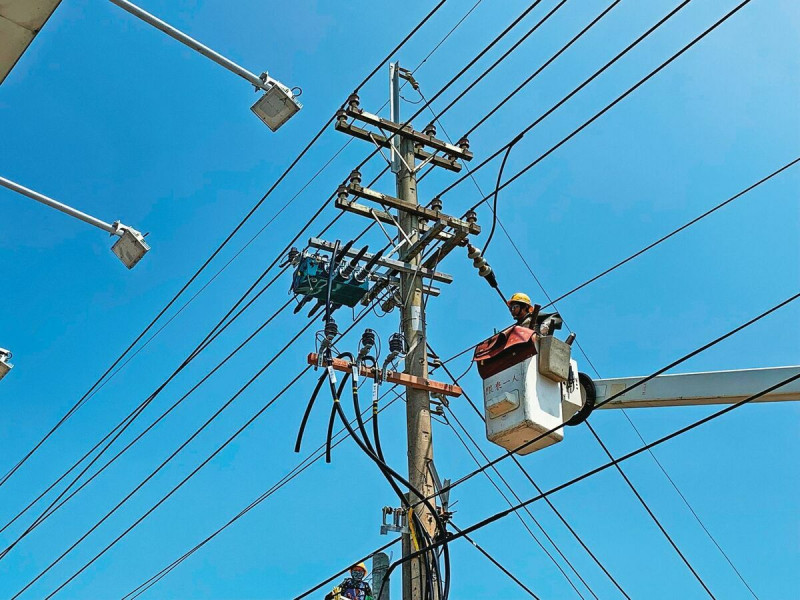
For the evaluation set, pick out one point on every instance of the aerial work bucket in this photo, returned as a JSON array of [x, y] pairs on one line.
[[529, 384]]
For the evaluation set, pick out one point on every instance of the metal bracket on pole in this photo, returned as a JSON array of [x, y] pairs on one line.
[[444, 497]]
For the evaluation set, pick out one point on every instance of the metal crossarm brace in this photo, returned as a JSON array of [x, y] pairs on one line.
[[459, 239], [388, 277], [451, 164], [428, 237], [391, 263], [410, 133], [404, 379], [415, 209], [383, 216]]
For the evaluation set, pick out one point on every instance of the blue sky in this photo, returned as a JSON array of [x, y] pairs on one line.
[[111, 116]]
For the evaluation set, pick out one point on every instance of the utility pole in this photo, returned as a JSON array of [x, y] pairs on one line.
[[418, 414], [425, 236]]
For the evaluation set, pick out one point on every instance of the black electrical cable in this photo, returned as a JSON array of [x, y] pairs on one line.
[[55, 504], [675, 231], [619, 99], [180, 484], [505, 55], [496, 191], [307, 412], [497, 564], [547, 63], [633, 386], [522, 521], [303, 465], [601, 468], [197, 273], [566, 98], [328, 438], [651, 513], [357, 408], [390, 474]]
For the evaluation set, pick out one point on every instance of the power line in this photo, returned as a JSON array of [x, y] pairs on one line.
[[676, 231], [566, 98], [316, 137], [518, 499], [206, 461], [285, 480], [633, 386], [55, 504], [535, 485], [651, 513], [607, 465], [619, 98], [497, 563]]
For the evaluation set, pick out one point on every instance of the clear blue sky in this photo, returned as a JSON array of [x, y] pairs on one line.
[[107, 114]]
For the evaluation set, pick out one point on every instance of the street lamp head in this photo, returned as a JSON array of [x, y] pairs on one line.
[[276, 106], [130, 247], [5, 366]]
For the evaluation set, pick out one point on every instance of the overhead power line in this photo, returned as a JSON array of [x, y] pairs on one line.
[[605, 466], [522, 521], [213, 255], [674, 232], [527, 475], [183, 481], [302, 466], [627, 389], [619, 99]]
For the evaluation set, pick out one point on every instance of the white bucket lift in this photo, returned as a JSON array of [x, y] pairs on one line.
[[530, 386]]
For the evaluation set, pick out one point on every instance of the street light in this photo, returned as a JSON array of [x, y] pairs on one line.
[[129, 248], [274, 108], [5, 366]]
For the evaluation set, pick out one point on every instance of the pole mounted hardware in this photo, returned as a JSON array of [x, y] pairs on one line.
[[453, 152], [404, 379], [394, 519], [129, 248]]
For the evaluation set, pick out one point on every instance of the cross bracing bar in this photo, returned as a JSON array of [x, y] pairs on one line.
[[695, 389], [396, 265]]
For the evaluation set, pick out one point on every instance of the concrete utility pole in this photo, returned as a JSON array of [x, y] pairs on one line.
[[425, 236], [418, 414]]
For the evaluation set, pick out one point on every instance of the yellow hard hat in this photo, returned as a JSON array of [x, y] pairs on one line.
[[521, 298], [361, 566]]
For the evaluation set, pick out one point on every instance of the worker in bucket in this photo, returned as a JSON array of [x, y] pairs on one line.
[[523, 313], [353, 587]]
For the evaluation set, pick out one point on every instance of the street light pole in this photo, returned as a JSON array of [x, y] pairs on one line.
[[274, 108], [130, 247]]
